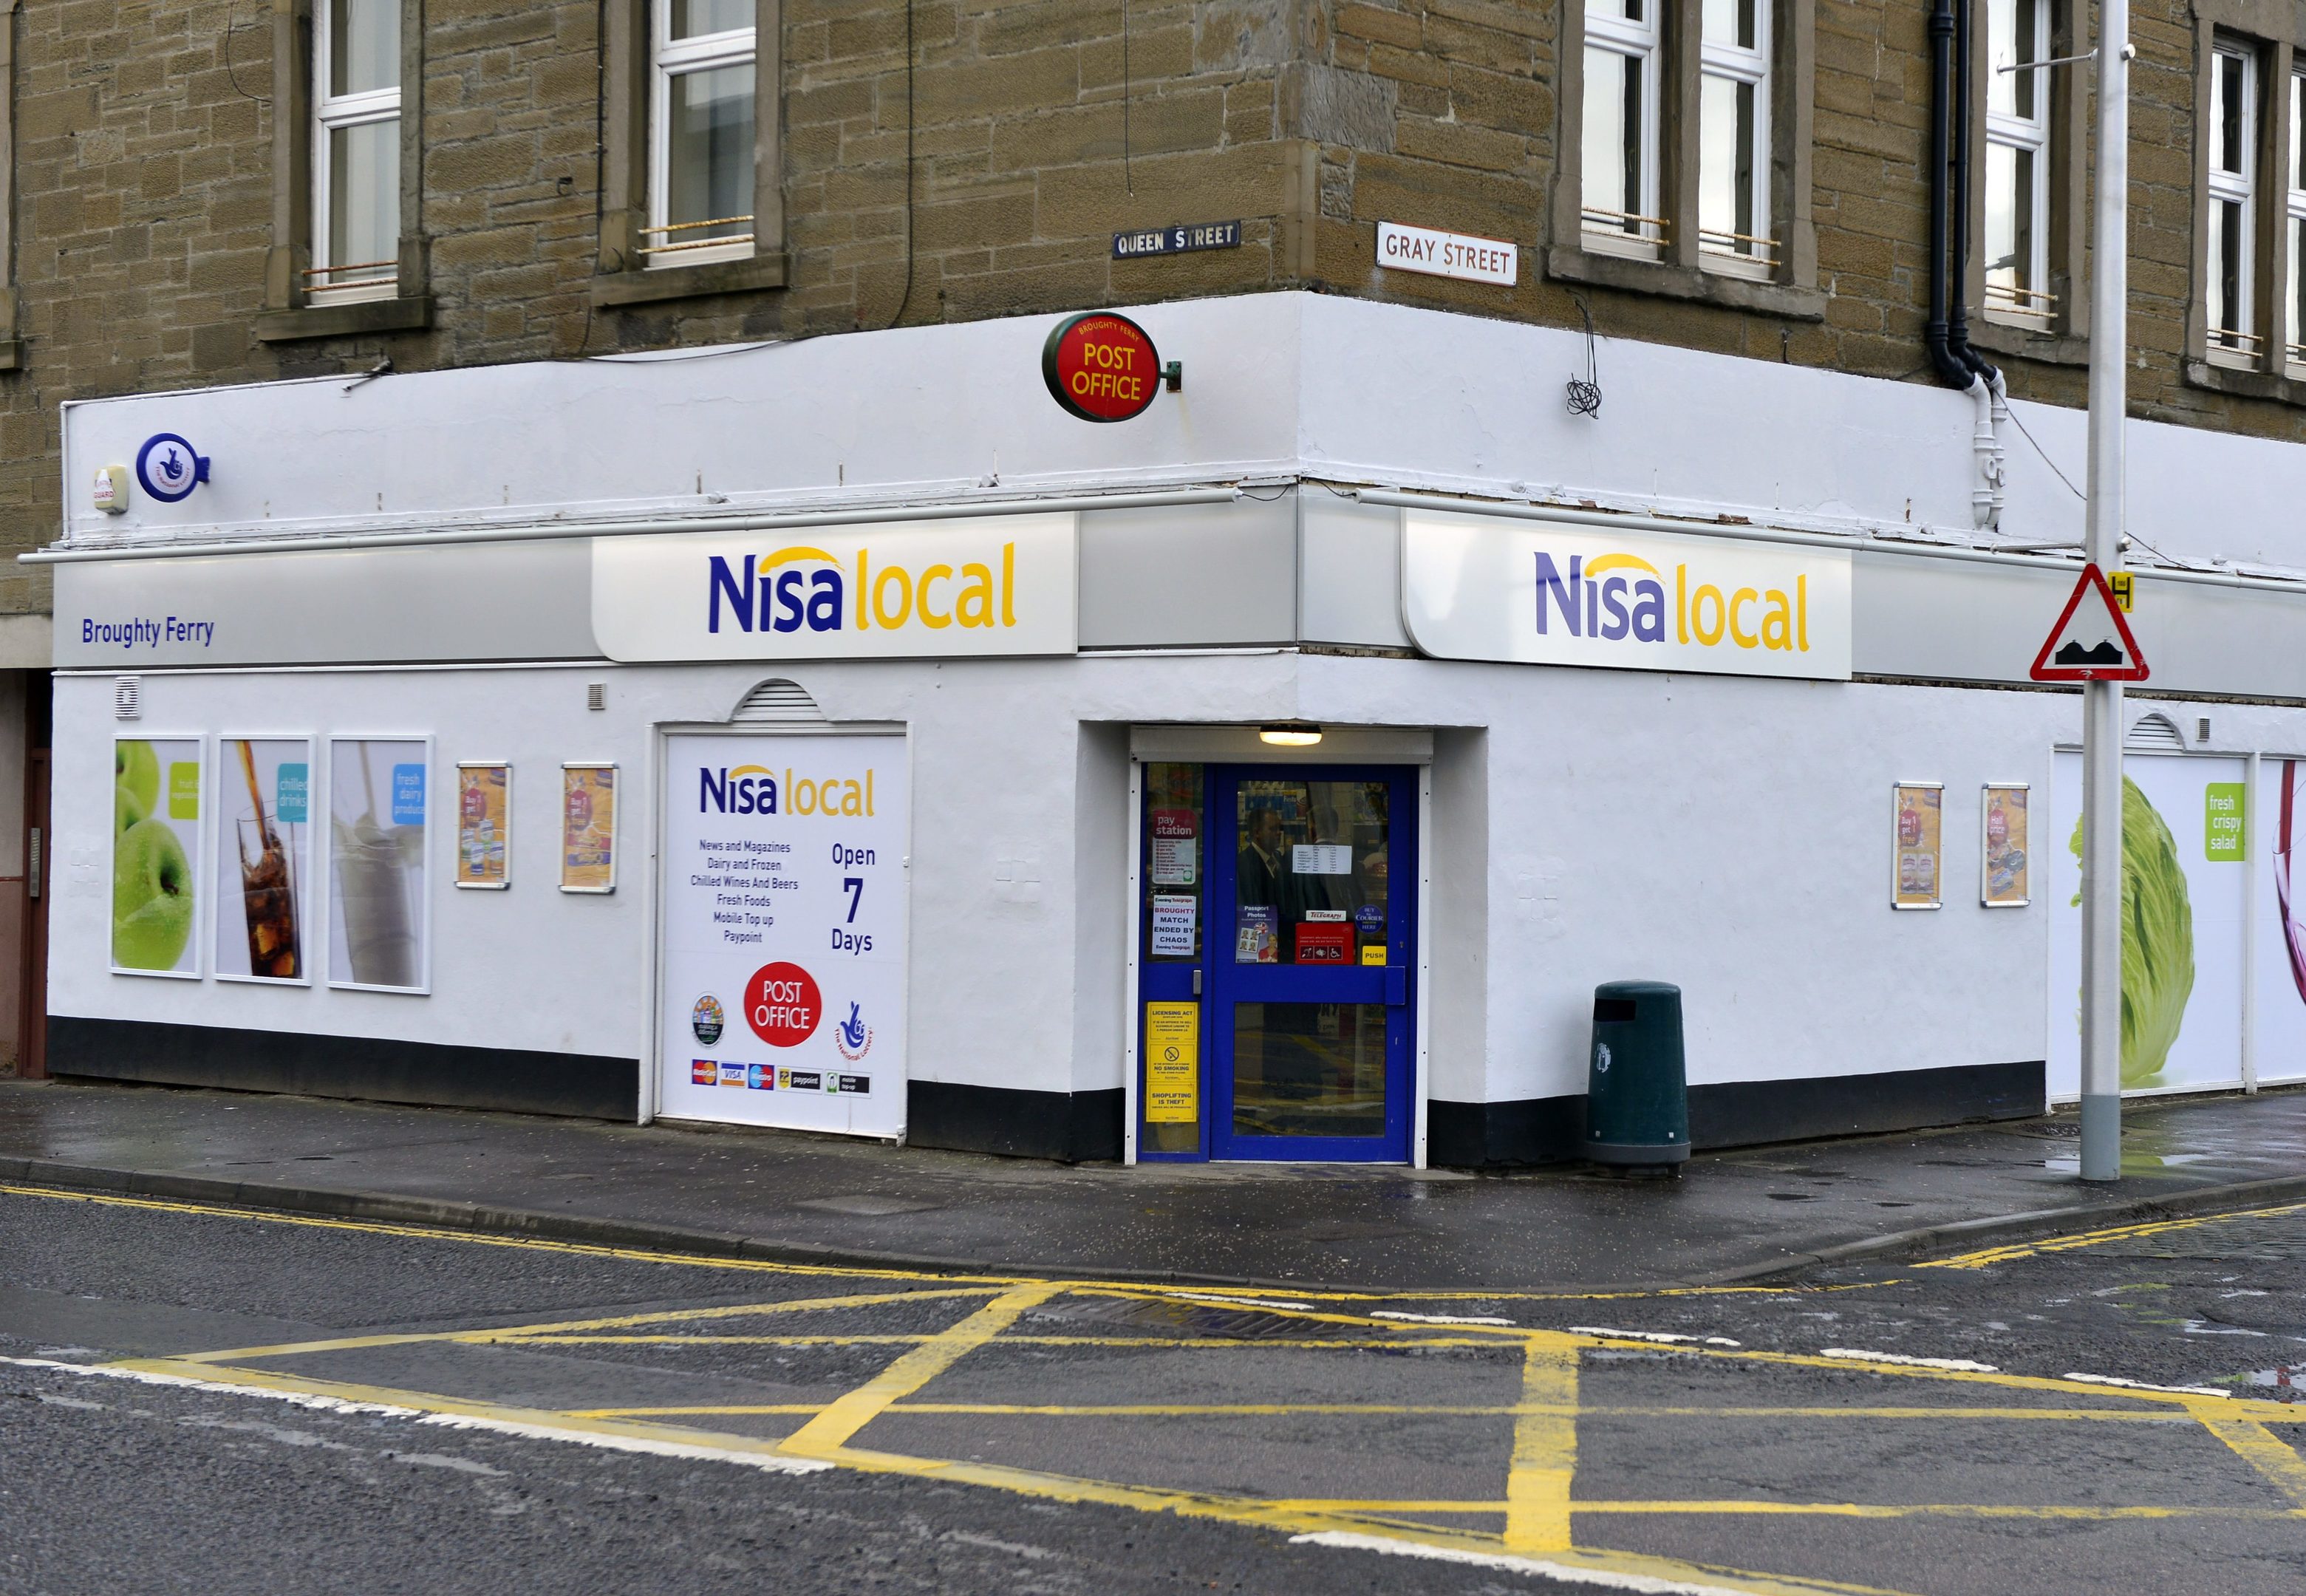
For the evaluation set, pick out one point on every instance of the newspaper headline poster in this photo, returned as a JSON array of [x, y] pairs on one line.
[[379, 791], [784, 917], [155, 855], [1920, 857], [2184, 883], [2006, 876], [588, 828], [264, 859], [484, 827]]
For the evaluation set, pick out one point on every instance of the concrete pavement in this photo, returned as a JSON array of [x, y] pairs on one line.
[[1738, 1214]]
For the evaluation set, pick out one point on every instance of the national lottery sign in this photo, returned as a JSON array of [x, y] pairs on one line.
[[783, 999]]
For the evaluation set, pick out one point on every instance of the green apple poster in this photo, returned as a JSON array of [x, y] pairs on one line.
[[156, 852], [264, 854]]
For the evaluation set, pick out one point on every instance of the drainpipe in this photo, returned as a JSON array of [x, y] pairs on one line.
[[1947, 331]]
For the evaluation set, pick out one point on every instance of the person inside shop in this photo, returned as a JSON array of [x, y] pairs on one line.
[[1261, 872]]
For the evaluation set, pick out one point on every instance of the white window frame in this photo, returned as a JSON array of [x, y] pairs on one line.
[[1719, 251], [670, 58], [332, 112], [2232, 346], [1604, 232], [2028, 135], [2293, 317]]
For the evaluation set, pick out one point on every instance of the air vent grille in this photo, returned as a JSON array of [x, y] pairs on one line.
[[2156, 731], [778, 703], [127, 697]]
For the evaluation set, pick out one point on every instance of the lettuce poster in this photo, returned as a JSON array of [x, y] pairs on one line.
[[2184, 877]]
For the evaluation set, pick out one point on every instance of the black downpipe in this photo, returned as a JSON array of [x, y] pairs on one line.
[[1947, 331]]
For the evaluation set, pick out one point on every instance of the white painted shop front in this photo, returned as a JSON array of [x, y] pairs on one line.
[[1600, 699]]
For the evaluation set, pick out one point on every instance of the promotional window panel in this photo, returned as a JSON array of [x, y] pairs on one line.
[[264, 858], [2184, 880], [378, 923], [155, 855], [2280, 978], [785, 932]]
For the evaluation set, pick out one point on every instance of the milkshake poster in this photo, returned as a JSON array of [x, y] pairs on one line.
[[377, 832], [156, 852], [264, 858]]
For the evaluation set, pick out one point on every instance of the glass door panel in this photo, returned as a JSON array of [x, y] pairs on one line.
[[1310, 1044]]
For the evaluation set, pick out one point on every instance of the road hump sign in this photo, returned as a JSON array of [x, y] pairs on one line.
[[2091, 641]]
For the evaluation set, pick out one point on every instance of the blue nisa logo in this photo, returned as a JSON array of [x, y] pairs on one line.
[[1592, 603], [780, 601], [748, 790]]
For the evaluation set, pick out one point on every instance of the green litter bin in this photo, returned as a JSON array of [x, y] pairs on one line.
[[1636, 1091]]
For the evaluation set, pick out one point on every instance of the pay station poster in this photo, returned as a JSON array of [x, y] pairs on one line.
[[785, 932], [2183, 878]]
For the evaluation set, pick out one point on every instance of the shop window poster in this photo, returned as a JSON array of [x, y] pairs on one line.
[[2184, 896], [485, 825], [2005, 878], [155, 855], [588, 828], [379, 790], [2280, 978], [1917, 855], [264, 858]]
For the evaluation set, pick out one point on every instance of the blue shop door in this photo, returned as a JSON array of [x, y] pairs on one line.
[[1312, 950]]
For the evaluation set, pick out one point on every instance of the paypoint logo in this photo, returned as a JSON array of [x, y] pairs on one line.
[[753, 790], [1621, 596], [802, 587]]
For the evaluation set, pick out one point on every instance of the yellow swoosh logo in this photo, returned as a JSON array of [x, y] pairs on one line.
[[1618, 562], [798, 552], [751, 769]]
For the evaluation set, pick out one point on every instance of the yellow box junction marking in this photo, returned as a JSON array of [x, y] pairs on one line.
[[1538, 1507]]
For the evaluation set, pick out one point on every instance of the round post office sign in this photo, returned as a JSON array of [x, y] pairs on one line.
[[1101, 367]]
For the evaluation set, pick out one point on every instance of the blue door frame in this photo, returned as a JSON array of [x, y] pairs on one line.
[[1220, 982]]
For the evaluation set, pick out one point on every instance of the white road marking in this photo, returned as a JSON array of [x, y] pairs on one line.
[[2116, 1379], [648, 1445], [1241, 1301], [1961, 1365], [1439, 1318], [1664, 1337], [1566, 1572]]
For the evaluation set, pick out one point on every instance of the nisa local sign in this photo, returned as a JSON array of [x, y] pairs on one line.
[[1485, 587], [988, 585]]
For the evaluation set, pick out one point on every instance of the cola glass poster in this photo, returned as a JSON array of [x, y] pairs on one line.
[[264, 858], [377, 832], [155, 855], [783, 904]]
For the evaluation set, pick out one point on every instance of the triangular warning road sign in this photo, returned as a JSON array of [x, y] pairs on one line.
[[2091, 641]]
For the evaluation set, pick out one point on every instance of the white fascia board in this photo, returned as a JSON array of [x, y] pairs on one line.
[[1277, 386]]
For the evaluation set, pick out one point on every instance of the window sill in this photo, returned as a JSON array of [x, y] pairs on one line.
[[648, 284], [344, 320], [2029, 343], [1683, 282], [2249, 385]]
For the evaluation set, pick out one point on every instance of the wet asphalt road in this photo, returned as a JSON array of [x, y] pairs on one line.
[[1017, 1435]]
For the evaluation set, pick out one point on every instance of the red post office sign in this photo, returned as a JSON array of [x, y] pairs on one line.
[[1101, 367]]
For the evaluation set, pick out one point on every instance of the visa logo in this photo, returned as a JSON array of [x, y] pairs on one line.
[[805, 587], [1619, 596]]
